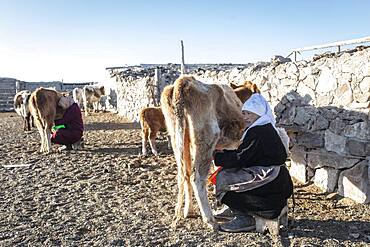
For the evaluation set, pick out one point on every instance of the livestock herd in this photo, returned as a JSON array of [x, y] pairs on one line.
[[198, 117]]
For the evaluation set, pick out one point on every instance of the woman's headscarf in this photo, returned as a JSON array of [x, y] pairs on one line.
[[258, 105]]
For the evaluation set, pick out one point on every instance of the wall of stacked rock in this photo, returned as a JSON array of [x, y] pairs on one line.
[[324, 105], [141, 87]]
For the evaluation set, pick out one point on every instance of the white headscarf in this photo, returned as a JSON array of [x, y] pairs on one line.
[[258, 105]]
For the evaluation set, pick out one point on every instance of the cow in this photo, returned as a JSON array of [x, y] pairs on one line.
[[199, 117], [152, 122], [152, 119], [91, 95], [44, 108], [245, 90], [21, 103], [77, 96]]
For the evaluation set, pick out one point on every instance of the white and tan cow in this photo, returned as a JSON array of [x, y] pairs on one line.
[[21, 107], [196, 116], [91, 95], [152, 122], [77, 96], [44, 108]]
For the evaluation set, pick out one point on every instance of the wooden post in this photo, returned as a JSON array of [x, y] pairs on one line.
[[183, 70], [338, 48], [17, 86], [156, 87], [295, 56]]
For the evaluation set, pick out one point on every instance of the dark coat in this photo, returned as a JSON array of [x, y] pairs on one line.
[[261, 146], [72, 119]]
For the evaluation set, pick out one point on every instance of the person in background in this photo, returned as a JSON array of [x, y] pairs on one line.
[[253, 179], [68, 130]]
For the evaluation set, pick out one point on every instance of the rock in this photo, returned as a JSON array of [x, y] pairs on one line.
[[298, 165], [303, 115], [325, 159], [326, 178], [311, 140], [354, 182], [324, 100], [278, 59], [319, 123], [335, 143], [365, 85], [358, 148], [343, 95], [359, 130], [326, 82], [337, 126]]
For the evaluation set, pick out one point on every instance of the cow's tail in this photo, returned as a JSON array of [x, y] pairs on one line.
[[181, 127], [35, 106], [142, 118]]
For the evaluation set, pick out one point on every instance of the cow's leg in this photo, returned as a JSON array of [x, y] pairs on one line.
[[144, 141], [86, 108], [95, 106], [180, 195], [152, 137], [168, 141], [24, 123], [202, 159], [48, 140], [28, 122], [188, 207], [41, 132], [32, 120]]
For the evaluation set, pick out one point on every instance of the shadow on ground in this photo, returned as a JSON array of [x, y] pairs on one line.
[[111, 126]]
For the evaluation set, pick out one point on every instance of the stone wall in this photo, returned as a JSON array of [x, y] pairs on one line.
[[140, 87], [323, 103]]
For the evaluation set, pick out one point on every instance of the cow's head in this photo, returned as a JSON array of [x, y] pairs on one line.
[[102, 90], [230, 136]]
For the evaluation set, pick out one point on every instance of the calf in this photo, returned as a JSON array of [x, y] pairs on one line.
[[77, 96], [152, 122], [21, 107], [44, 109], [91, 95], [196, 114]]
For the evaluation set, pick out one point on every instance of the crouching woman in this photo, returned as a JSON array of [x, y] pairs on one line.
[[253, 179], [68, 130]]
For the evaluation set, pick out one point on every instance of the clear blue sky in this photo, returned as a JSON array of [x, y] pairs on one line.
[[75, 40]]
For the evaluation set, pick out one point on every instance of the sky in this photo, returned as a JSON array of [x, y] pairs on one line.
[[75, 40]]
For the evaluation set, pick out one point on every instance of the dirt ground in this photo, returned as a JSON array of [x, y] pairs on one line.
[[109, 195]]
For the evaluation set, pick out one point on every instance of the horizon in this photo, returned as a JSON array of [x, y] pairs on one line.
[[75, 41]]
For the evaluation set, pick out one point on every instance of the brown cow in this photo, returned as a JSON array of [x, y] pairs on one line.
[[196, 115], [152, 119], [44, 109], [245, 90], [152, 122]]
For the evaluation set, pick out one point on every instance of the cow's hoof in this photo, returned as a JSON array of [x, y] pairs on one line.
[[190, 214], [213, 225]]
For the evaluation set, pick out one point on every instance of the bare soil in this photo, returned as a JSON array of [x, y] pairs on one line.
[[109, 195]]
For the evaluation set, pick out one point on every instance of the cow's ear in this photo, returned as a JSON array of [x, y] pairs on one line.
[[233, 86], [256, 89]]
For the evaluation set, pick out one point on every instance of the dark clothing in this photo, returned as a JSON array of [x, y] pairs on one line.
[[266, 201], [262, 146], [72, 119]]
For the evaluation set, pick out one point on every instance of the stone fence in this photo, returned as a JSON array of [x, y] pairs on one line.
[[323, 103], [10, 86]]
